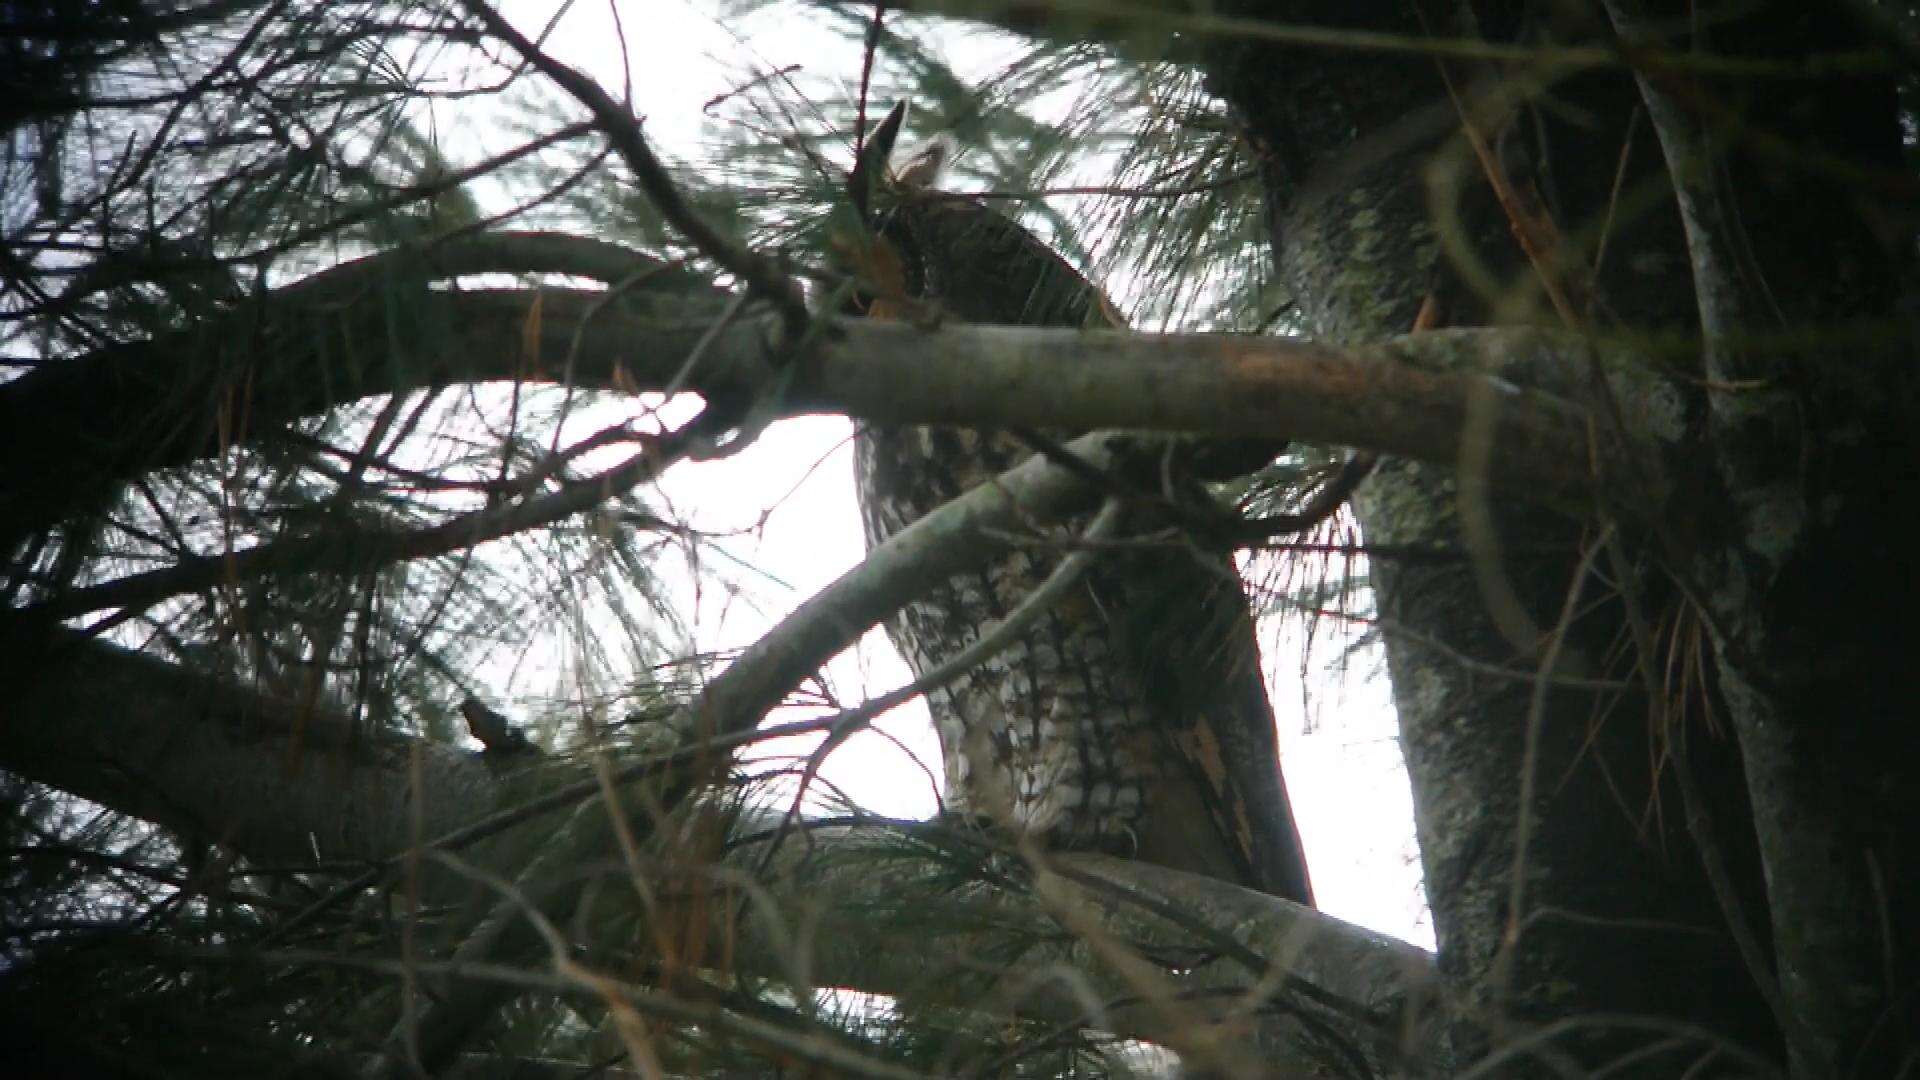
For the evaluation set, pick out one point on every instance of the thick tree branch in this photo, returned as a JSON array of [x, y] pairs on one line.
[[279, 781], [1249, 960], [75, 428], [282, 784]]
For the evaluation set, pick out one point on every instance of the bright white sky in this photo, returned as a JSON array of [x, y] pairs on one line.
[[1339, 748]]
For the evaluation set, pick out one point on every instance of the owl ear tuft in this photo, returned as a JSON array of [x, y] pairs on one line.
[[871, 164]]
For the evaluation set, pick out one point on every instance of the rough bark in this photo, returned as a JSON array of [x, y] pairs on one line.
[[1805, 577], [1612, 885]]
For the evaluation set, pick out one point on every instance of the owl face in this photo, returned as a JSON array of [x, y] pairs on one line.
[[920, 170]]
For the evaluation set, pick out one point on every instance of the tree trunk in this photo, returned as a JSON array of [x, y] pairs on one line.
[[1375, 200]]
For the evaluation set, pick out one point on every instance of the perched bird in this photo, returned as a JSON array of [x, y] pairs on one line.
[[1132, 717], [493, 729]]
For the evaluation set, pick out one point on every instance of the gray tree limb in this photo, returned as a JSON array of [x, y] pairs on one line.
[[76, 427]]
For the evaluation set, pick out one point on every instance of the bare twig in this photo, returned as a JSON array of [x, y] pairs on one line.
[[1530, 760], [763, 277], [360, 548]]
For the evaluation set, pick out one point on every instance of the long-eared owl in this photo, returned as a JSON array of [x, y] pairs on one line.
[[1132, 717]]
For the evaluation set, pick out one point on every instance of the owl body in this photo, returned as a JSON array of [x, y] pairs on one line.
[[1132, 716], [1047, 736]]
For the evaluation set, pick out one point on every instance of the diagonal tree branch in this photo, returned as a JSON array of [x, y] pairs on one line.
[[348, 805]]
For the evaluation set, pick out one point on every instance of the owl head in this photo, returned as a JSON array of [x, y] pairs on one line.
[[920, 170]]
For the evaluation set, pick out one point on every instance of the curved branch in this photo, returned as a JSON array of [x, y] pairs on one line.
[[75, 429]]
